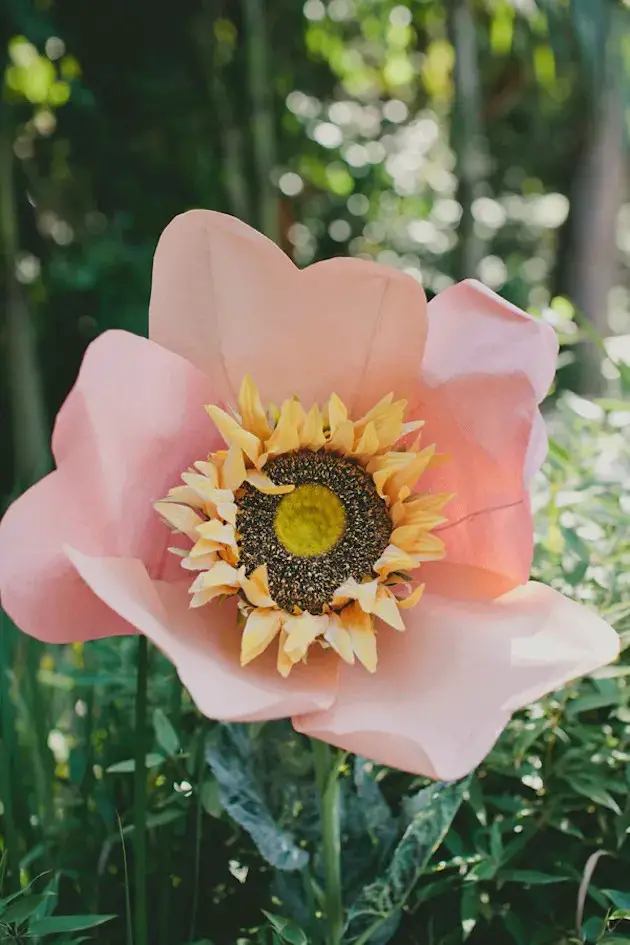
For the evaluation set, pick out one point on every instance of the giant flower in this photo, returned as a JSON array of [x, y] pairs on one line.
[[310, 490]]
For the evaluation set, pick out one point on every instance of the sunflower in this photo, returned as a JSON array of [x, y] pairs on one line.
[[313, 520]]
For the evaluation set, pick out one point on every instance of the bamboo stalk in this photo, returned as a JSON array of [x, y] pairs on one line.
[[263, 126], [467, 137], [30, 427]]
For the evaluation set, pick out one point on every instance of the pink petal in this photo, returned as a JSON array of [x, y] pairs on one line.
[[204, 645], [482, 423], [39, 589], [231, 302], [132, 423], [445, 688], [473, 330]]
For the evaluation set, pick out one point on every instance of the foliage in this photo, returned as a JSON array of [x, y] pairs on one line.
[[117, 116]]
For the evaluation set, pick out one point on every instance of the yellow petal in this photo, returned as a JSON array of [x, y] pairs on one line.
[[252, 411], [339, 639], [301, 632], [386, 608], [393, 559], [256, 587], [231, 554], [185, 496], [286, 436], [261, 628], [200, 563], [220, 573], [233, 432], [201, 485], [285, 663], [337, 412], [233, 472], [387, 419], [360, 627], [365, 594], [368, 443], [413, 598], [209, 470], [181, 518], [417, 541], [312, 432], [217, 531], [210, 593], [204, 547], [266, 485], [342, 440], [341, 434], [411, 427], [399, 471]]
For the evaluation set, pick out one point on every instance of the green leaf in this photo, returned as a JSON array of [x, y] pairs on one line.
[[67, 923], [167, 737], [619, 899], [152, 760], [591, 701], [229, 755], [469, 909], [209, 797], [436, 807], [22, 909], [288, 931], [531, 877], [594, 792]]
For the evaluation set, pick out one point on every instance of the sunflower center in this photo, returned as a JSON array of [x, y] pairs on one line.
[[333, 526], [310, 520]]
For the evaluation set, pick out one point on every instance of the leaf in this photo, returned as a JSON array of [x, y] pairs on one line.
[[469, 909], [379, 820], [620, 900], [531, 877], [22, 909], [67, 923], [229, 755], [593, 792], [152, 760], [288, 931], [209, 797], [591, 701], [167, 737], [436, 807]]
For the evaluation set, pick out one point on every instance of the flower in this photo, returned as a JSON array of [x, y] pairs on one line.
[[312, 519], [83, 553]]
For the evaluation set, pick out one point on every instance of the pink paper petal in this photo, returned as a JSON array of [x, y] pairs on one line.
[[474, 330], [445, 688], [204, 644], [482, 423], [39, 589], [231, 302], [132, 423]]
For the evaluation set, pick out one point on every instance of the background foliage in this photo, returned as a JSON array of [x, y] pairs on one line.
[[449, 138]]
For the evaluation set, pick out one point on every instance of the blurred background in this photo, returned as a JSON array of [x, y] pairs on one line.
[[450, 138]]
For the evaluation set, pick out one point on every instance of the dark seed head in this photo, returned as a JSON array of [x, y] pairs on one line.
[[309, 583]]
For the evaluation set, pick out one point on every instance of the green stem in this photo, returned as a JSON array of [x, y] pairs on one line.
[[327, 782], [7, 748], [140, 798], [199, 770]]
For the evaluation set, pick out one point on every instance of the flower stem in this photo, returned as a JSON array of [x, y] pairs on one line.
[[140, 799], [327, 781]]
